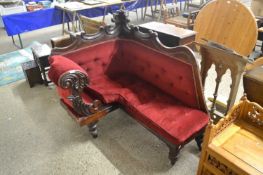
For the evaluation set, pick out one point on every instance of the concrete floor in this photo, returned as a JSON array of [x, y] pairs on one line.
[[37, 136]]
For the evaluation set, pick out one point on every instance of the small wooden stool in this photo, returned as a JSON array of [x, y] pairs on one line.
[[32, 73]]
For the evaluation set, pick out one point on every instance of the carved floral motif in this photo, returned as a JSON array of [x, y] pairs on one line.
[[76, 81], [220, 166], [255, 115], [224, 122]]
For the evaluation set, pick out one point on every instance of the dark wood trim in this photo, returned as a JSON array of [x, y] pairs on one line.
[[93, 129], [173, 153], [77, 81]]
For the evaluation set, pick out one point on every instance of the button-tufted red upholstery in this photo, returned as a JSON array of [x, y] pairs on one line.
[[154, 88], [94, 59], [151, 106]]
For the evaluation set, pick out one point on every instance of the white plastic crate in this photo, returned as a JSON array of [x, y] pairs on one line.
[[11, 9]]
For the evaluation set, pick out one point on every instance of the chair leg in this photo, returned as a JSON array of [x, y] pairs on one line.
[[137, 15], [93, 129], [199, 139], [142, 13], [173, 153]]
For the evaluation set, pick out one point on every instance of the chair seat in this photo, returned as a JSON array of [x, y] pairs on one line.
[[178, 21], [160, 112], [240, 146]]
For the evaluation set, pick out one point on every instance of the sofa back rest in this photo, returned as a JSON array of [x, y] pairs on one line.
[[94, 58], [172, 75]]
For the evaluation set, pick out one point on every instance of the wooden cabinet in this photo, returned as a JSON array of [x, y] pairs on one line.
[[234, 146], [253, 84]]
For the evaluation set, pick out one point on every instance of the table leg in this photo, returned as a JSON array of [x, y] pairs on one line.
[[67, 16], [105, 11], [74, 27], [180, 5], [63, 22], [152, 11], [145, 8], [142, 13], [13, 39], [162, 8], [20, 41], [155, 5], [122, 7], [160, 11], [42, 70]]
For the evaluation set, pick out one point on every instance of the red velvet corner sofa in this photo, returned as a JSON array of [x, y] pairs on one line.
[[121, 67]]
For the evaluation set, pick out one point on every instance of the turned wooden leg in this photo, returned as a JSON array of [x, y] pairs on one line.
[[199, 140], [93, 129], [173, 153]]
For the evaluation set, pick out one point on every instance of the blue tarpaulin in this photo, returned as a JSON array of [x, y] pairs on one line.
[[29, 21]]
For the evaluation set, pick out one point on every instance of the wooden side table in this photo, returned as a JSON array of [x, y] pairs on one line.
[[41, 53], [253, 84], [32, 73], [168, 34]]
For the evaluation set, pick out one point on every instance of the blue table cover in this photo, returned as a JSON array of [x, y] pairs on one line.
[[29, 21]]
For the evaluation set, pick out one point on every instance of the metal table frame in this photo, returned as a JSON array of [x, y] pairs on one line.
[[74, 15]]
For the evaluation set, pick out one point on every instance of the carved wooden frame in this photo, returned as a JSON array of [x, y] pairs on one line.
[[76, 80], [223, 59]]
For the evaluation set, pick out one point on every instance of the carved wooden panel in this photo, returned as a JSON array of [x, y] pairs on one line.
[[223, 59], [220, 166], [235, 144]]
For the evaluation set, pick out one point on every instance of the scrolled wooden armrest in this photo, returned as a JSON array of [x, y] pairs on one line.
[[77, 81]]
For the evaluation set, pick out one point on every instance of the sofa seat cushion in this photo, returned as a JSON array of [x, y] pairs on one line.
[[150, 105], [174, 121], [103, 88]]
